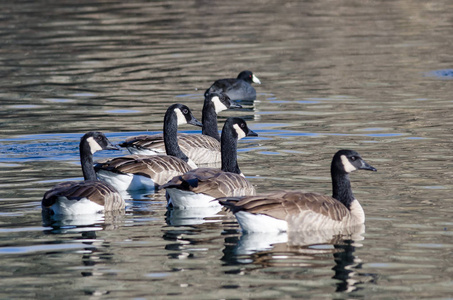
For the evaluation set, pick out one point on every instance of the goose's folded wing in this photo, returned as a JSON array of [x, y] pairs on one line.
[[96, 191], [282, 205], [159, 168], [212, 182]]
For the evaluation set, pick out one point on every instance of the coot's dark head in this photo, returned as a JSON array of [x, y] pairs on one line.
[[249, 77]]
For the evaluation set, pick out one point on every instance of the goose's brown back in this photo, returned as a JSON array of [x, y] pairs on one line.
[[212, 182], [159, 168], [285, 205], [96, 191], [201, 149]]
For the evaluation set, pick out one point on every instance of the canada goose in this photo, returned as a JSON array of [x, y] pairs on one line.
[[201, 149], [198, 187], [301, 211], [84, 197], [239, 88], [138, 172]]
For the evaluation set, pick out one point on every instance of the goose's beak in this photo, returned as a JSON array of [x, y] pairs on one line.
[[252, 133], [366, 166], [110, 146], [235, 105], [195, 122]]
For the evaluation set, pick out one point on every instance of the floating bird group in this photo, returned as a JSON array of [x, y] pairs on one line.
[[186, 167], [198, 187]]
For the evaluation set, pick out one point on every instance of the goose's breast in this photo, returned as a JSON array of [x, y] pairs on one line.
[[308, 220], [65, 206]]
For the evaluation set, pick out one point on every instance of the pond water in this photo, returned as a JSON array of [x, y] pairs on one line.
[[373, 76]]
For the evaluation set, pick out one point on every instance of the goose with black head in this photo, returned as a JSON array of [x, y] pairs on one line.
[[143, 172], [198, 187], [202, 149], [88, 196], [302, 211]]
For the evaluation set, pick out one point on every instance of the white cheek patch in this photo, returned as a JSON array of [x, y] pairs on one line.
[[239, 131], [180, 117], [219, 106], [348, 167], [255, 79], [94, 146]]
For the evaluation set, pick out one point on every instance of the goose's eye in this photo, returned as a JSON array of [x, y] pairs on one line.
[[242, 125], [185, 111], [353, 158]]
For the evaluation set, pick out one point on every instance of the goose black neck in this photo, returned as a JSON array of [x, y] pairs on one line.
[[341, 187], [229, 144], [209, 120], [171, 136], [86, 160]]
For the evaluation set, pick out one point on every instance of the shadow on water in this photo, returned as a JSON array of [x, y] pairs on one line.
[[348, 268], [83, 222], [300, 253], [192, 216]]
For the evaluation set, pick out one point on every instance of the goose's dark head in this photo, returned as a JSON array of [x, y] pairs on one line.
[[249, 77], [184, 115], [240, 127], [347, 161], [221, 102], [96, 141]]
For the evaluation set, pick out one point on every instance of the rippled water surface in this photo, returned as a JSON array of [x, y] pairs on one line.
[[373, 76]]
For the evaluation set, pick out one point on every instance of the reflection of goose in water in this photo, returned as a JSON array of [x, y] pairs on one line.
[[96, 259], [192, 216], [280, 250], [299, 242], [346, 264], [85, 222]]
